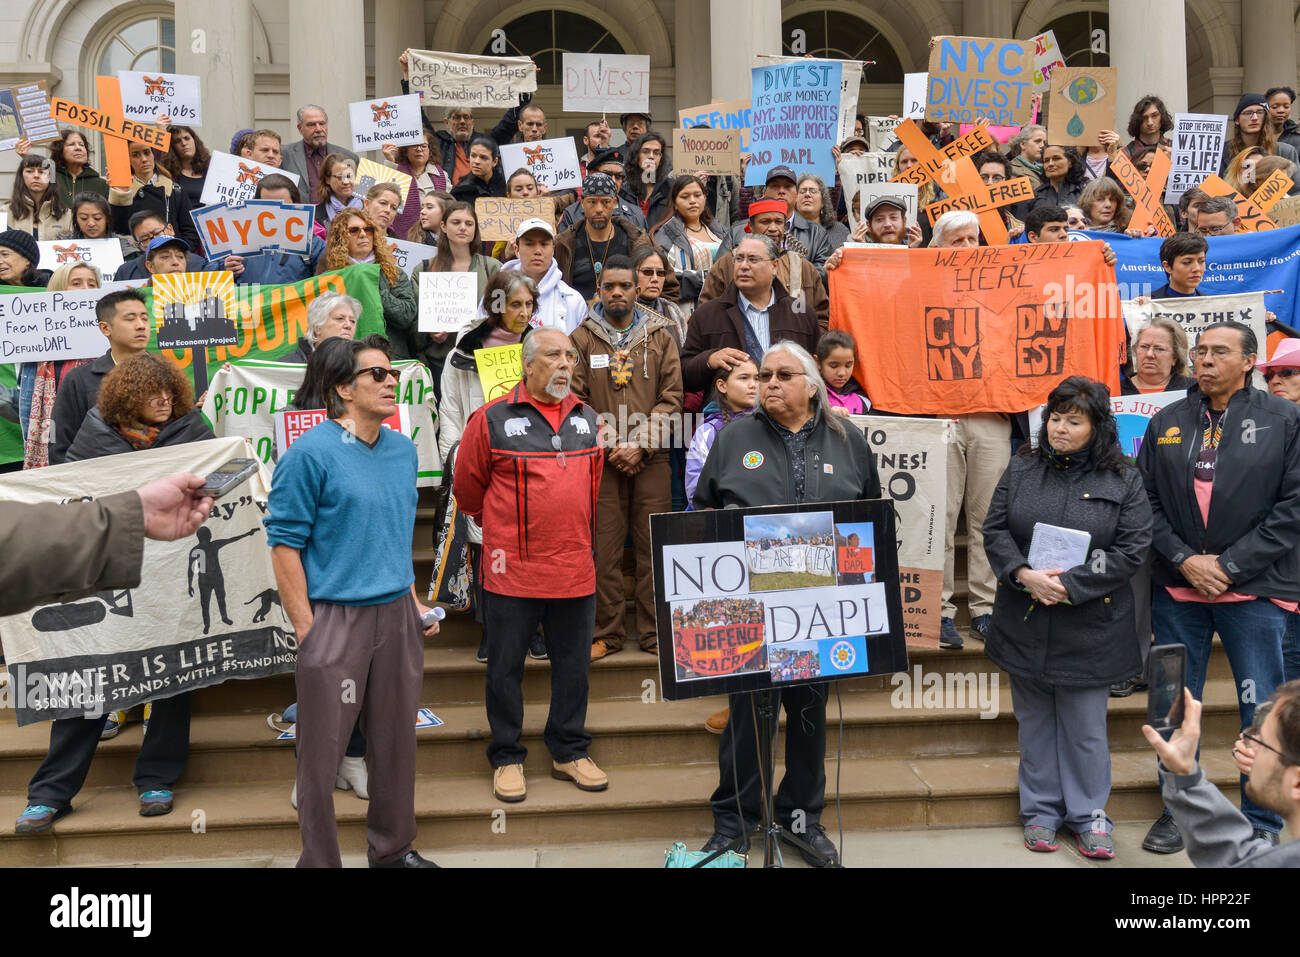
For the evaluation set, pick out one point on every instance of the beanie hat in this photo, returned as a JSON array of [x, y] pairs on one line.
[[234, 140], [23, 243], [1247, 100]]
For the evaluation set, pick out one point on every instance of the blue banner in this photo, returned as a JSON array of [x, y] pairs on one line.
[[794, 119], [1246, 262]]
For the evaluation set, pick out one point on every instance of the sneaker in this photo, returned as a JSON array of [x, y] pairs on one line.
[[1124, 688], [38, 818], [113, 726], [155, 803], [1096, 844], [979, 627], [537, 647], [599, 650], [481, 657], [949, 636], [582, 772], [508, 783], [1039, 838], [148, 713], [1163, 838], [717, 722], [352, 777]]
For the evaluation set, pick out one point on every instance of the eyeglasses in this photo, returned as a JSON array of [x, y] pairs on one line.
[[1154, 350], [991, 178], [162, 401], [1251, 734], [1214, 230], [1272, 374], [809, 191], [1251, 114], [359, 230], [655, 273], [1218, 352], [381, 373], [783, 375], [752, 260], [146, 239]]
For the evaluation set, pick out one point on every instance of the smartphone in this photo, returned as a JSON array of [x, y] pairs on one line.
[[1166, 674], [229, 476]]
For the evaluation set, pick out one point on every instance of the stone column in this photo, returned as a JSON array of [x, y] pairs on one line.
[[1148, 43], [986, 18], [1267, 44], [738, 29], [215, 43], [691, 50], [399, 24], [327, 60]]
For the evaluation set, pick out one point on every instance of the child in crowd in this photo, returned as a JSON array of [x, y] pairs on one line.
[[735, 394], [835, 352]]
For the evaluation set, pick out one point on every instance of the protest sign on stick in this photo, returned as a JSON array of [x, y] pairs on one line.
[[48, 326], [253, 226], [706, 151], [880, 133], [499, 218], [859, 170], [409, 255], [1271, 190], [795, 118], [1083, 104], [980, 78], [553, 163], [1047, 57], [953, 170], [1146, 193], [850, 85], [369, 173], [914, 86], [104, 254], [606, 83], [472, 82], [147, 96], [1196, 313], [1198, 148], [391, 119], [1253, 219], [117, 130]]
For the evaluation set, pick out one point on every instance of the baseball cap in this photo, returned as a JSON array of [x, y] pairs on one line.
[[897, 202], [158, 242], [776, 172], [528, 225], [855, 139]]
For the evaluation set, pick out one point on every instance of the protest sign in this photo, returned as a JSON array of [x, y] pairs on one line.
[[118, 131], [850, 85], [911, 457], [1198, 148], [1146, 193], [1002, 134], [984, 329], [25, 113], [293, 424], [953, 171], [194, 309], [448, 301], [706, 151], [862, 169], [1286, 212], [409, 255], [731, 115], [974, 78], [245, 396], [206, 609], [553, 163], [45, 326], [1253, 219], [369, 173], [499, 218], [1082, 104], [234, 179], [499, 369], [870, 192], [1133, 412], [104, 254], [1268, 193], [253, 226], [1195, 313], [754, 598], [914, 87], [393, 119], [147, 96], [472, 82], [880, 133], [606, 83], [795, 118], [1047, 57], [1007, 193]]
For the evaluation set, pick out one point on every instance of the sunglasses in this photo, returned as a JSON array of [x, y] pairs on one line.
[[784, 375], [360, 230], [1271, 374], [381, 373], [657, 273]]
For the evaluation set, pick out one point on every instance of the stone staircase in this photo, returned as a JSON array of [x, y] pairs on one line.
[[901, 766]]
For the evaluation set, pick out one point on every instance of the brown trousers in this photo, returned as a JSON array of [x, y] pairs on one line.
[[367, 660], [626, 503]]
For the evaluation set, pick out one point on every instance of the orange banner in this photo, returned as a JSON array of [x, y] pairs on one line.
[[1146, 193], [985, 329], [1253, 219], [719, 650], [1271, 190]]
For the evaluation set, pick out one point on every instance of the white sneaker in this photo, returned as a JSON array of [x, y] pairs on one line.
[[352, 777], [113, 725]]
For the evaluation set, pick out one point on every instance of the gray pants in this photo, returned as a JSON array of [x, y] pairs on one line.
[[1064, 755], [1141, 582], [366, 660]]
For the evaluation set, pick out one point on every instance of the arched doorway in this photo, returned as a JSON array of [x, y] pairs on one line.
[[838, 34]]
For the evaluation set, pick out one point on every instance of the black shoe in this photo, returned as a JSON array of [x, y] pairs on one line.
[[1124, 688], [826, 855], [720, 841], [1163, 838], [1265, 834], [949, 636], [482, 651], [537, 647], [979, 627], [412, 859]]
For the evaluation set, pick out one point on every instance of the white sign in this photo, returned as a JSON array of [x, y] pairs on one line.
[[147, 96], [254, 226], [880, 133], [293, 424], [474, 82], [870, 192], [103, 254], [862, 169], [606, 83], [47, 326], [392, 119], [409, 255], [1198, 149], [914, 85], [553, 162], [234, 179], [1195, 313], [448, 300], [1047, 57]]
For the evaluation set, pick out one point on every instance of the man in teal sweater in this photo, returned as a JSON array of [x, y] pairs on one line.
[[344, 498]]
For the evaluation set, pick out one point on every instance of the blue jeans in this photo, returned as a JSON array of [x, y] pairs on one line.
[[1291, 648], [1251, 632]]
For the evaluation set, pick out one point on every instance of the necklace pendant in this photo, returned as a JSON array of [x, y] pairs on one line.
[[596, 268]]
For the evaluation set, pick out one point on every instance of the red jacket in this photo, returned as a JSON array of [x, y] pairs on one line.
[[536, 505]]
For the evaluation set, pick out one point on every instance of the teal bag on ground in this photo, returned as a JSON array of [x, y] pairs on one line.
[[679, 856]]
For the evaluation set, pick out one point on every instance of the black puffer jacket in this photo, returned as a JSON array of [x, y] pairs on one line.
[[97, 438]]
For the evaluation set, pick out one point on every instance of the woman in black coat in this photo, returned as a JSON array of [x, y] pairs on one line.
[[1065, 634]]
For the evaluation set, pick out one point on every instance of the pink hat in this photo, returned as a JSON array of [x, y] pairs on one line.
[[1285, 356]]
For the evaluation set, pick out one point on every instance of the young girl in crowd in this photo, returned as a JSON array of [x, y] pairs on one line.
[[735, 393], [835, 352]]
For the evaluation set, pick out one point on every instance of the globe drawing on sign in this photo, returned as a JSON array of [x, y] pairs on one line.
[[1080, 91]]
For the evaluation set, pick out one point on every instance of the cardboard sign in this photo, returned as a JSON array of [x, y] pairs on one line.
[[937, 162], [392, 119], [1286, 212], [1198, 148], [1146, 193], [147, 96], [409, 255], [48, 326], [706, 151], [474, 82], [1196, 313], [606, 83], [234, 179], [293, 424], [553, 163], [25, 114], [448, 300], [194, 309], [499, 218], [499, 369], [979, 78], [795, 118], [117, 130], [369, 173], [914, 87], [1271, 190], [254, 226], [1253, 219], [731, 115], [997, 195], [1082, 104], [104, 254], [1047, 57]]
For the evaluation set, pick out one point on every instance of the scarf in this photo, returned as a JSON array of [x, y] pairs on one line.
[[334, 206], [356, 262], [139, 437], [36, 451]]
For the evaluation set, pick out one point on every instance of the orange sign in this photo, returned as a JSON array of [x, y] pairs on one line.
[[1146, 193], [1253, 219], [952, 168], [982, 201], [934, 162], [117, 130], [855, 561], [719, 650], [1271, 190], [982, 329]]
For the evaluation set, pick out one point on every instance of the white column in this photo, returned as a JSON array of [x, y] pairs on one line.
[[399, 24], [691, 51], [1267, 44], [738, 29], [215, 43], [327, 60], [986, 18], [1148, 43]]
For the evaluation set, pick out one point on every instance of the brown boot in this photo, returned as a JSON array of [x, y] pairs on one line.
[[582, 772], [717, 722]]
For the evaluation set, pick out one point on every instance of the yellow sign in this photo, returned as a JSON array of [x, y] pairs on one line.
[[369, 173], [499, 369]]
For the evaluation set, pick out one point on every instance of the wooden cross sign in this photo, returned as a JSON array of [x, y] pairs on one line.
[[118, 131]]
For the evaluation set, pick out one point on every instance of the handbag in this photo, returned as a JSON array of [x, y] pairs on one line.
[[679, 856], [453, 571]]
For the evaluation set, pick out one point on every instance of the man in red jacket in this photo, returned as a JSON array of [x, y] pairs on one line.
[[528, 471]]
